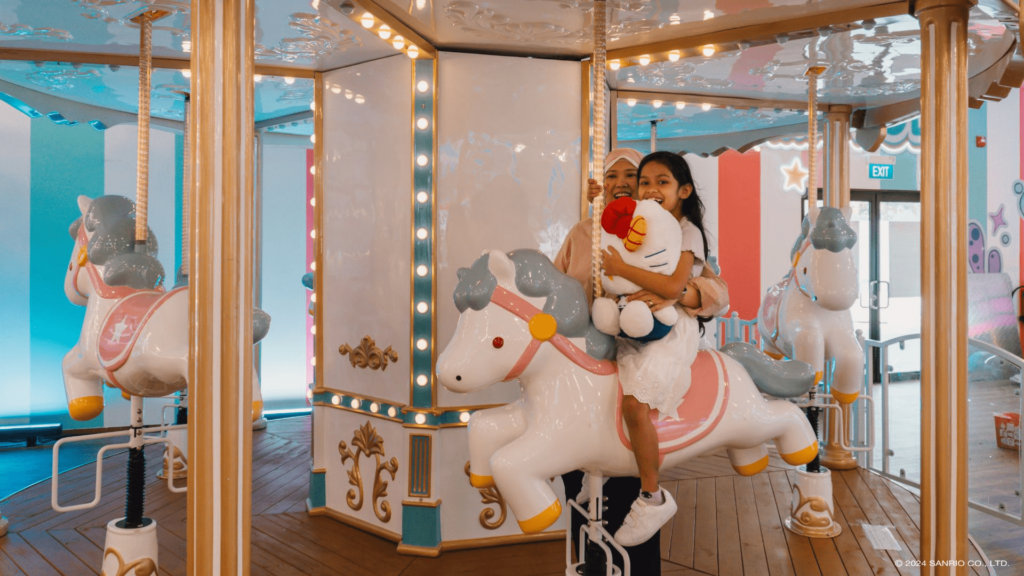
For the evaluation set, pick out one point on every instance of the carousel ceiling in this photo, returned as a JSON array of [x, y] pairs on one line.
[[679, 120], [871, 47]]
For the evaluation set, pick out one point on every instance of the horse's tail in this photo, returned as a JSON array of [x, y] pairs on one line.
[[780, 379], [260, 324]]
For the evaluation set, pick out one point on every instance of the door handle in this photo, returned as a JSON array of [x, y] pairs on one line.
[[879, 294], [868, 292]]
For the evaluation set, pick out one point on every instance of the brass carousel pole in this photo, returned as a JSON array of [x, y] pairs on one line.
[[943, 283], [220, 295]]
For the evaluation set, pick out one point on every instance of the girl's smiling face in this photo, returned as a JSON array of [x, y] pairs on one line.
[[657, 183]]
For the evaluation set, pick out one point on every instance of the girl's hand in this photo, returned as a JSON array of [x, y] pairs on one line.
[[612, 262], [653, 301]]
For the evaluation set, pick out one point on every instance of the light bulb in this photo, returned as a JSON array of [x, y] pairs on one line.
[[421, 270], [422, 160], [257, 77], [398, 42], [312, 106], [680, 105], [421, 233], [367, 20], [312, 361], [645, 59], [312, 266], [422, 197], [421, 344], [631, 102], [421, 419], [422, 86], [464, 417], [289, 80], [656, 103], [705, 106], [392, 412], [708, 50], [374, 407], [422, 123], [354, 403], [384, 31], [421, 379], [312, 138], [186, 73], [422, 307], [186, 46], [312, 298], [312, 201], [312, 233], [614, 64], [312, 330], [673, 56], [335, 400], [413, 52], [312, 170]]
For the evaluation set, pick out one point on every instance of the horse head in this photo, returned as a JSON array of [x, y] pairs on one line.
[[104, 255], [824, 261], [509, 305]]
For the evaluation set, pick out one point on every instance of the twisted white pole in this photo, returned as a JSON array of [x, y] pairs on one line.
[[812, 141], [142, 181], [600, 38], [186, 189], [654, 136]]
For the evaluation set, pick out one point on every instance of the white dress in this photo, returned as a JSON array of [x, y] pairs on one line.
[[658, 373]]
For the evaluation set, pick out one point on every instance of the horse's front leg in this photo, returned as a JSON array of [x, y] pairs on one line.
[[83, 388], [849, 373], [522, 470], [809, 347], [489, 430]]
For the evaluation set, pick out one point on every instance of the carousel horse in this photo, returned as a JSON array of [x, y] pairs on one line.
[[569, 416], [807, 315], [135, 334]]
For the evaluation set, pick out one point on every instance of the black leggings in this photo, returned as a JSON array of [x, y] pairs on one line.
[[645, 559]]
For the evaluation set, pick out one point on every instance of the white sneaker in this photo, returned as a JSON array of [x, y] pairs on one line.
[[644, 520]]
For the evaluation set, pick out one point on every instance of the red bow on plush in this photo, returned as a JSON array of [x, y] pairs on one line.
[[617, 216]]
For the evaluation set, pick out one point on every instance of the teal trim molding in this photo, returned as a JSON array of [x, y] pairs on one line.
[[317, 489], [421, 526]]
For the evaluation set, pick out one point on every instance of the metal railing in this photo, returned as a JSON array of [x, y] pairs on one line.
[[866, 460]]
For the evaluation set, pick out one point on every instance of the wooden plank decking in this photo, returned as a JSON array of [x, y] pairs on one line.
[[727, 525]]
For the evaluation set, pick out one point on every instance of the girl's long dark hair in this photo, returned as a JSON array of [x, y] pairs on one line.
[[693, 208]]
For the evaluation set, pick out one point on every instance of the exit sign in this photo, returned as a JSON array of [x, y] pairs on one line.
[[881, 171]]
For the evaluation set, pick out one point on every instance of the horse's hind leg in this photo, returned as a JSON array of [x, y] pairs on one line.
[[84, 390], [748, 461], [489, 430], [797, 443]]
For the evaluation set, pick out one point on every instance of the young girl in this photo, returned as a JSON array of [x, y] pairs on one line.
[[656, 375]]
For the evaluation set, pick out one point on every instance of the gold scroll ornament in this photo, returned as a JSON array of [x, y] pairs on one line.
[[142, 566], [490, 496], [822, 513], [366, 441], [367, 355]]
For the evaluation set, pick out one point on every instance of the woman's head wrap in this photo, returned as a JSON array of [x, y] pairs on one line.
[[627, 154]]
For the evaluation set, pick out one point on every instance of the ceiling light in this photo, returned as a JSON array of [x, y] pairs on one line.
[[680, 105], [289, 80], [312, 138], [398, 42], [413, 52], [674, 55], [257, 77], [367, 20], [384, 31], [656, 103], [186, 46], [645, 59], [186, 73], [631, 102], [614, 64], [312, 106], [708, 50], [705, 106], [673, 20]]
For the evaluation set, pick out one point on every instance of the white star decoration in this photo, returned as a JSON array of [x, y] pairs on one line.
[[795, 175]]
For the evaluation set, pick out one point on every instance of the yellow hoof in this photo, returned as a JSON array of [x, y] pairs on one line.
[[753, 468], [844, 398], [481, 481], [126, 395], [541, 521], [773, 355], [818, 377], [85, 408], [801, 457], [257, 410]]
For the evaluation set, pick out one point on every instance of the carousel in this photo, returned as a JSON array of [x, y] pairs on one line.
[[461, 358]]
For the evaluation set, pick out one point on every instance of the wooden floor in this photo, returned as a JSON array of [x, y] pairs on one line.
[[727, 525]]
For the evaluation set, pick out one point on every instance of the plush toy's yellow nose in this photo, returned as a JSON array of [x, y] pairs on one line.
[[635, 237]]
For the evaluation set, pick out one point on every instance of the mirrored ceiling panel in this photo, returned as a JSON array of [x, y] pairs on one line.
[[865, 67], [686, 120], [288, 32]]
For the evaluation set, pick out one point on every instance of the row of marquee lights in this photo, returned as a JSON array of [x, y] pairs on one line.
[[370, 22]]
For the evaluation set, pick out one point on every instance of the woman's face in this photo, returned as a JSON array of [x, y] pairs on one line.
[[657, 183], [619, 181]]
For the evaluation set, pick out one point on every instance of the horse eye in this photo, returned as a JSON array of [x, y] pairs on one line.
[[805, 269], [498, 342]]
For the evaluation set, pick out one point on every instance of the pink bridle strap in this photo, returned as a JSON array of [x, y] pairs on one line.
[[525, 311]]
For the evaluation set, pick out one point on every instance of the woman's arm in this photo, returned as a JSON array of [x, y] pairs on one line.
[[670, 287]]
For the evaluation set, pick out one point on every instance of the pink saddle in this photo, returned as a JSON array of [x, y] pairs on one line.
[[701, 410], [123, 324]]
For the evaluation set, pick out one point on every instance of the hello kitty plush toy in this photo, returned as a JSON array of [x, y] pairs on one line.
[[648, 237]]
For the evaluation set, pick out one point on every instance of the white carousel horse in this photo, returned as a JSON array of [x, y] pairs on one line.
[[569, 416], [807, 315], [135, 334]]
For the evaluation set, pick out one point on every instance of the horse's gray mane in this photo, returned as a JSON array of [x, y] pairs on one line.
[[831, 232], [805, 229], [537, 277], [110, 221]]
